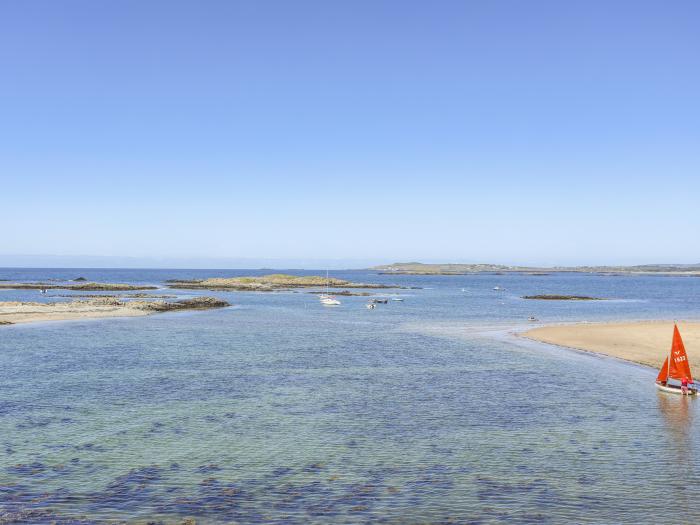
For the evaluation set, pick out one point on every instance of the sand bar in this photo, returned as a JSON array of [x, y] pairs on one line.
[[12, 312], [644, 342]]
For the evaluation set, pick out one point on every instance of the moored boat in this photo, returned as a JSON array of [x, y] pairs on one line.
[[676, 367], [326, 298]]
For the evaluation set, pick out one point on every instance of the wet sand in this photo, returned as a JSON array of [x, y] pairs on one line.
[[644, 342], [26, 312], [12, 312]]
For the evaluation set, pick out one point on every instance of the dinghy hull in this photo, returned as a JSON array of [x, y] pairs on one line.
[[676, 390]]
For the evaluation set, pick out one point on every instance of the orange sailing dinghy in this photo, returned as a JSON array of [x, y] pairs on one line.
[[676, 367]]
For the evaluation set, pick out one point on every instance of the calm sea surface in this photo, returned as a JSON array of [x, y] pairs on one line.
[[278, 410]]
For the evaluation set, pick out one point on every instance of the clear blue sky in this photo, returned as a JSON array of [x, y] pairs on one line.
[[495, 131]]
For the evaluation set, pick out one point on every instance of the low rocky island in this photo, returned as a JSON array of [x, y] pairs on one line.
[[554, 297], [270, 283], [82, 286], [417, 268], [25, 312]]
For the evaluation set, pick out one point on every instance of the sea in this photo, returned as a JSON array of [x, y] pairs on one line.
[[430, 410]]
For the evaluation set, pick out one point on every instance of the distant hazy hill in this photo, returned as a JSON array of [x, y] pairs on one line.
[[416, 268]]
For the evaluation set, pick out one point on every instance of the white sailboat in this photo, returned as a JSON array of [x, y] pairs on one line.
[[327, 299]]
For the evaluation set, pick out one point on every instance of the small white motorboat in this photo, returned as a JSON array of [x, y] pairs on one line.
[[498, 288], [397, 299], [370, 306]]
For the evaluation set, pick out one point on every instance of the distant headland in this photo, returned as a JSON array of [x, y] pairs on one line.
[[416, 268]]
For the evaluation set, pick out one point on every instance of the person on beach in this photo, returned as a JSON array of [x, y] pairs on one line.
[[684, 385]]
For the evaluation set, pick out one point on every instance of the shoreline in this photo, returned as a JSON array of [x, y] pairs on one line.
[[80, 287], [645, 343]]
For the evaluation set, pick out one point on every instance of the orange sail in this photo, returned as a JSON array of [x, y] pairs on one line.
[[663, 373], [678, 365]]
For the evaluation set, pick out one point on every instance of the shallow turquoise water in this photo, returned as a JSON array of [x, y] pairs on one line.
[[278, 410]]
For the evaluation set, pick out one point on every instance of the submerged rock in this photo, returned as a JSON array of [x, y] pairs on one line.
[[211, 467]]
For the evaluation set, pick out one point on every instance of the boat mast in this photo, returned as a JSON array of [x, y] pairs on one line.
[[670, 356]]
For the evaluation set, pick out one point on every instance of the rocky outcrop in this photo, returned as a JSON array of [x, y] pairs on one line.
[[268, 283], [87, 287], [195, 303]]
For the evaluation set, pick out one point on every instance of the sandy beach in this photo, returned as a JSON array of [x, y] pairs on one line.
[[12, 312], [644, 342], [16, 312]]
